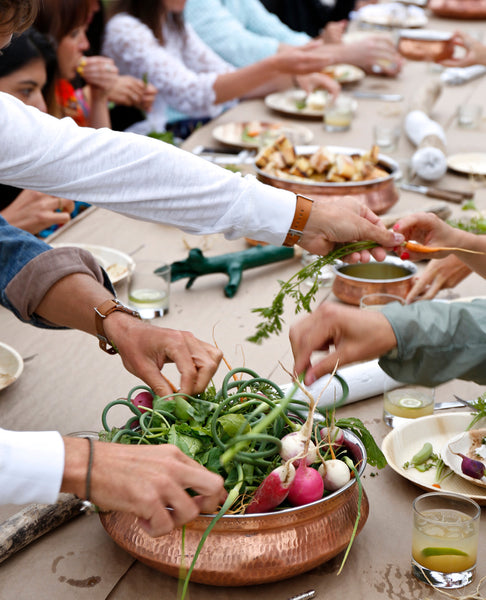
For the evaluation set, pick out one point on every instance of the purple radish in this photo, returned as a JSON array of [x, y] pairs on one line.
[[143, 400], [472, 468], [306, 487], [335, 474], [273, 490]]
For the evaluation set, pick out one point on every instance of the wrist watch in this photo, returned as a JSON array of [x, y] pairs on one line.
[[101, 312], [303, 207]]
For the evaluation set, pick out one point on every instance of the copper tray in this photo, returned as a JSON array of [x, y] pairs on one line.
[[378, 194], [458, 9], [252, 549]]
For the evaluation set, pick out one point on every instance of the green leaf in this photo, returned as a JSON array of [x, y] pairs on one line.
[[376, 458], [234, 424]]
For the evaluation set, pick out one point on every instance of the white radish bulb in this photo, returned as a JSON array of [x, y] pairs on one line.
[[293, 445], [335, 474]]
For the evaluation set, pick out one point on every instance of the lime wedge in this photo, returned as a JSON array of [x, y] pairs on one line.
[[443, 551], [410, 402]]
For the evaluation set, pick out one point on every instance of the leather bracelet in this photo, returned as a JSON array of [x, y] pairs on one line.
[[90, 466], [303, 209], [101, 312]]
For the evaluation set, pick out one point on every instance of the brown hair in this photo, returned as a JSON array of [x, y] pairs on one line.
[[57, 18], [150, 13], [18, 14]]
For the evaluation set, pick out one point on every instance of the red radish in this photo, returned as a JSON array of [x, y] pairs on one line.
[[143, 400], [307, 486], [335, 474], [294, 444], [334, 435], [273, 490]]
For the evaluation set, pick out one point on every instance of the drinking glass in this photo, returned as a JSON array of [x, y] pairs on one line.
[[378, 300], [405, 403], [445, 538], [148, 288], [386, 137], [469, 116], [338, 114]]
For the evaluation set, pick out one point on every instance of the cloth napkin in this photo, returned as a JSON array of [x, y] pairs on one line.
[[458, 76]]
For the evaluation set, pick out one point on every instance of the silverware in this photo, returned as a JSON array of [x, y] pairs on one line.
[[464, 402], [378, 96], [225, 157], [305, 596], [432, 192], [457, 403]]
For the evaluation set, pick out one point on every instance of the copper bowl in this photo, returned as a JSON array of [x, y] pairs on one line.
[[458, 9], [253, 549], [378, 194], [392, 276], [425, 44]]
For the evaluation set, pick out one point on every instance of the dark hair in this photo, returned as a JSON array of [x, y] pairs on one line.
[[26, 47], [58, 18], [18, 14], [150, 13]]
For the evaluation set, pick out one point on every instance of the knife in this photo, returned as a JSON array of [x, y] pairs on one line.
[[431, 192], [378, 96]]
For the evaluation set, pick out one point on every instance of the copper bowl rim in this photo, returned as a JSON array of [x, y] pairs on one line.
[[426, 35], [349, 436], [384, 161], [390, 260]]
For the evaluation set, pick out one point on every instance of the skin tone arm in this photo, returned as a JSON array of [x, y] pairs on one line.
[[34, 211], [129, 91], [439, 274], [475, 52]]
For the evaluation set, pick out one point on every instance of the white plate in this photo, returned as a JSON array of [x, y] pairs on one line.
[[403, 442], [462, 443], [468, 163], [11, 365], [287, 102], [117, 264], [344, 73], [393, 14], [232, 133]]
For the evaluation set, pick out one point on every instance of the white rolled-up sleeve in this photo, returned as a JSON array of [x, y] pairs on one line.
[[31, 466]]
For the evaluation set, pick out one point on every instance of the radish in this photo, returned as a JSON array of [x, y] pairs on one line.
[[143, 400], [307, 486], [294, 444], [273, 490], [335, 474], [334, 435]]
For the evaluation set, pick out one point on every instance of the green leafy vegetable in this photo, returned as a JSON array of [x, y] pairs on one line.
[[479, 413]]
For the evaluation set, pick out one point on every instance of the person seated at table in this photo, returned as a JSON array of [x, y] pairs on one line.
[[425, 343], [474, 51], [150, 38], [59, 288], [244, 32], [130, 98], [26, 72], [65, 22]]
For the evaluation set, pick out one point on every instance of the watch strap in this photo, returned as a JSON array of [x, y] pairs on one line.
[[101, 312], [303, 207]]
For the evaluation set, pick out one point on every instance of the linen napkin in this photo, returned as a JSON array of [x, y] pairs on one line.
[[460, 75]]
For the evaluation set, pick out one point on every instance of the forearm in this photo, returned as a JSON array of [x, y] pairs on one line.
[[99, 114], [476, 243]]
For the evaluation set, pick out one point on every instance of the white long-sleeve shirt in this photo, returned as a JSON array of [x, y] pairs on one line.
[[136, 176]]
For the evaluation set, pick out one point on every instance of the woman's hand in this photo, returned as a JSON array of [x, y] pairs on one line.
[[356, 337], [375, 54], [439, 274], [475, 52], [130, 91], [34, 211], [99, 72], [343, 220], [315, 81], [143, 480]]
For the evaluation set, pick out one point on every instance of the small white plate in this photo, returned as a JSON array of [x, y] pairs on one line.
[[117, 264], [11, 365], [468, 163], [393, 14], [344, 73], [288, 102], [233, 134], [403, 442], [463, 443]]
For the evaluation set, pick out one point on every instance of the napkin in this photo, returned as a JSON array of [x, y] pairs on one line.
[[458, 76], [429, 161], [365, 380]]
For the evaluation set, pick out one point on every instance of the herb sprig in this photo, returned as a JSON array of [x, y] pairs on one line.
[[272, 315], [479, 406]]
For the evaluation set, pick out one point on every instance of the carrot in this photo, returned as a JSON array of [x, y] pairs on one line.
[[436, 485], [416, 247]]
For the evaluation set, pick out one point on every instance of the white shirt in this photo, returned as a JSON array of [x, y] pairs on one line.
[[134, 175]]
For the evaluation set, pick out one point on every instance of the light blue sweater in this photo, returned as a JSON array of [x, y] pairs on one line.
[[240, 31]]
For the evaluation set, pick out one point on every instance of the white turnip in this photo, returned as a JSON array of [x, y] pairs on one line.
[[335, 474]]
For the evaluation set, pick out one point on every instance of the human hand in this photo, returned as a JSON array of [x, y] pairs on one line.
[[439, 274], [130, 91], [314, 81], [34, 211], [333, 32], [375, 54], [354, 337], [344, 219], [475, 52], [143, 480], [100, 72], [144, 349]]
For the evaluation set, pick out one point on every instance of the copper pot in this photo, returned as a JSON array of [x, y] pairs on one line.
[[392, 276], [252, 549], [425, 44], [378, 194], [458, 9]]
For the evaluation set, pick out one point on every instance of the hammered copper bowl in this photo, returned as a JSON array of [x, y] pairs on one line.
[[253, 549], [425, 44], [378, 194], [458, 9], [392, 276]]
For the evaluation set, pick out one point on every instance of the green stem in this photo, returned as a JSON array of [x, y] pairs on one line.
[[350, 464]]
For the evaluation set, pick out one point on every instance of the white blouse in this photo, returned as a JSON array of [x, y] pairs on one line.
[[183, 70]]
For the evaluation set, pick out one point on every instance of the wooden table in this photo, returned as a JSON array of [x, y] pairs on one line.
[[69, 381]]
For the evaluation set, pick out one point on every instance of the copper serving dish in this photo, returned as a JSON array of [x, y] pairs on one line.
[[392, 276], [379, 194], [458, 9], [425, 44], [252, 549]]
